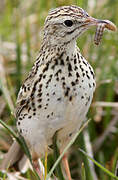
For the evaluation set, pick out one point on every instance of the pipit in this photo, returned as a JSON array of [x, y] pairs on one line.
[[56, 95]]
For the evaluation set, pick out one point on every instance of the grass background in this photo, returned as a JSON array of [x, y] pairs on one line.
[[21, 31]]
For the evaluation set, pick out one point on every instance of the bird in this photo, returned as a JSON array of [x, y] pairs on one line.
[[57, 93]]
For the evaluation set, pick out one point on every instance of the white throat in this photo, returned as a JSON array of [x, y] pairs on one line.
[[71, 47]]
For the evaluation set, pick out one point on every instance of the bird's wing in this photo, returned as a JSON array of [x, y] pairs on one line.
[[25, 91], [24, 94]]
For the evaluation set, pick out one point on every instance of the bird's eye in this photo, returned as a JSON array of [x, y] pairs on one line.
[[68, 23]]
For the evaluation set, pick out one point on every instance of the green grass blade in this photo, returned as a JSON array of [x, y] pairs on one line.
[[18, 61], [9, 129], [115, 160], [83, 172], [99, 165], [28, 45]]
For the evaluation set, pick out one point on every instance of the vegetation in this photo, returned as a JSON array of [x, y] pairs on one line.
[[21, 24]]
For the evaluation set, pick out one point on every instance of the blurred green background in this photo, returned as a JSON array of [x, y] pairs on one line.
[[21, 32]]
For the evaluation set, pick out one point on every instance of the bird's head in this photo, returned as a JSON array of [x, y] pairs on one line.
[[67, 23]]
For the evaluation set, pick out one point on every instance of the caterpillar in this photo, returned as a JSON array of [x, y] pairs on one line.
[[101, 25]]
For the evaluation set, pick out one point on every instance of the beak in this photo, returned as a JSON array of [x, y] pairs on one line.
[[90, 21]]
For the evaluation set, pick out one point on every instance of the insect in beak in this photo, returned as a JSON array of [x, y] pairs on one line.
[[100, 26]]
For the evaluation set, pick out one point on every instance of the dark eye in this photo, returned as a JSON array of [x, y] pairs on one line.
[[68, 23]]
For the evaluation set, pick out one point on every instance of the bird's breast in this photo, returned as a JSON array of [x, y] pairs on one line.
[[60, 96]]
